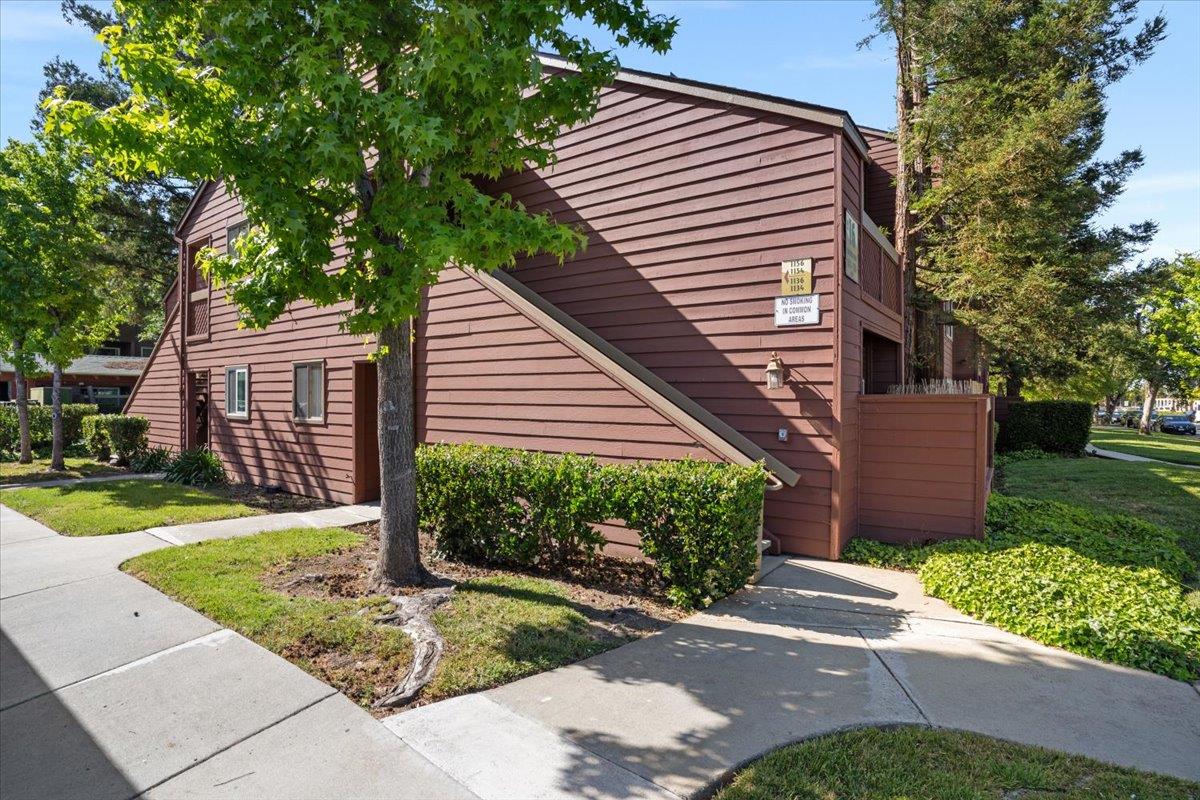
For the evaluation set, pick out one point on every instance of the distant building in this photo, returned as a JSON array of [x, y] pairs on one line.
[[105, 377]]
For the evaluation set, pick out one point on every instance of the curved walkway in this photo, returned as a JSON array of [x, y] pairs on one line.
[[111, 689], [816, 647]]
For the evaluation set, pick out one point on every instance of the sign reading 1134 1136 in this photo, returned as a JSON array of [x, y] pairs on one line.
[[800, 309]]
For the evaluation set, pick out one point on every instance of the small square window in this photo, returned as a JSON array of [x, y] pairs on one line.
[[308, 391], [237, 392]]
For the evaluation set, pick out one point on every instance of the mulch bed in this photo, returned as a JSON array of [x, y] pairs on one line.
[[623, 596], [269, 500]]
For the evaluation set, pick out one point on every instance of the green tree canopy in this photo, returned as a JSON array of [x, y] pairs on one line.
[[57, 298], [1007, 101], [355, 135]]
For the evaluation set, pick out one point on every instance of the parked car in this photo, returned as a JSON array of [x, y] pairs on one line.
[[1177, 423]]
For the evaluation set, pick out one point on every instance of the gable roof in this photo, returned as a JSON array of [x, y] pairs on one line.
[[774, 104], [673, 404]]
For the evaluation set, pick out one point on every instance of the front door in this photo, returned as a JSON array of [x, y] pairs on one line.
[[366, 432], [196, 427]]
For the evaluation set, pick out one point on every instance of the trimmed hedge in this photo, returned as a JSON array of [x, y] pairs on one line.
[[1053, 426], [699, 521], [1102, 585], [40, 425], [105, 434]]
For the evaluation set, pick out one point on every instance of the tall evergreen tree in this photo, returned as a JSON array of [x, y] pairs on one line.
[[1007, 99], [136, 217]]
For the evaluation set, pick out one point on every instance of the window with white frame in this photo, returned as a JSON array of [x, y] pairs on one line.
[[237, 392], [308, 391]]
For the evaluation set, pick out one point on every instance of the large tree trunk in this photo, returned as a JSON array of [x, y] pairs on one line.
[[1014, 382], [399, 561], [911, 173], [26, 456], [56, 445], [1110, 405], [1148, 406]]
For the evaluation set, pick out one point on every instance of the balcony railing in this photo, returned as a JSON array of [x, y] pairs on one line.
[[879, 272]]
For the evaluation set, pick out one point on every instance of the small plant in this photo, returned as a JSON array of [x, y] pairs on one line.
[[156, 459], [197, 467]]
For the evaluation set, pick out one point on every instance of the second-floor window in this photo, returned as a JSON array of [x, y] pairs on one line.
[[232, 234], [851, 249], [308, 394], [237, 392]]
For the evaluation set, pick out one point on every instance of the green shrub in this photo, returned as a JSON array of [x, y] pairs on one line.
[[1102, 585], [197, 467], [156, 459], [699, 521], [1053, 426], [105, 434], [40, 425], [95, 438]]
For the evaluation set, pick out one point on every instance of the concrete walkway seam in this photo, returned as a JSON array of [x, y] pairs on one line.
[[232, 745], [896, 678], [208, 638]]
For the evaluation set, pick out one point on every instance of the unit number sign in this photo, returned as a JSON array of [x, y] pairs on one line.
[[797, 277], [801, 309]]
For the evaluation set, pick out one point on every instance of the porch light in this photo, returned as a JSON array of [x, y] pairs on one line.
[[775, 372]]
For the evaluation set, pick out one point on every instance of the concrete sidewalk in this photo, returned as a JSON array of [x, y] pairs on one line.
[[1092, 450], [111, 690], [815, 647]]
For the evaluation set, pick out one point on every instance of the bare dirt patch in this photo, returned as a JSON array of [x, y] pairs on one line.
[[623, 597]]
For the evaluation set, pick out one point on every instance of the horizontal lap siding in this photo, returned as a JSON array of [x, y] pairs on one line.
[[923, 462], [858, 314], [689, 207], [156, 396], [880, 179], [536, 392], [271, 448]]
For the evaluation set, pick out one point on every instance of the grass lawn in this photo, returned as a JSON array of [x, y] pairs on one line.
[[1163, 446], [117, 506], [497, 628], [1073, 558], [39, 470], [939, 765]]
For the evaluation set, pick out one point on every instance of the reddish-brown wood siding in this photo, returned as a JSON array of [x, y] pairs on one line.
[[880, 179], [924, 463], [689, 207], [157, 393], [486, 373], [860, 312], [270, 447]]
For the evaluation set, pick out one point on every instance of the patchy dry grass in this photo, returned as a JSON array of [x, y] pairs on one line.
[[301, 593]]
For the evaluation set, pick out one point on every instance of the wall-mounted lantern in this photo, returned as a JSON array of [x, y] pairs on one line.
[[775, 372]]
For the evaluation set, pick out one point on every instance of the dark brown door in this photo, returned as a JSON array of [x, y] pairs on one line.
[[366, 432], [196, 430]]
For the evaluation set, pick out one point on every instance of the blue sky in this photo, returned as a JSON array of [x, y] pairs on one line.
[[805, 50]]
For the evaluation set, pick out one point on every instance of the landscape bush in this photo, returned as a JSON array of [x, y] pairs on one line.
[[1053, 426], [40, 426], [196, 467], [699, 521], [106, 434], [1106, 586]]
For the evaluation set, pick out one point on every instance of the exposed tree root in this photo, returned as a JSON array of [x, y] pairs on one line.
[[413, 615]]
